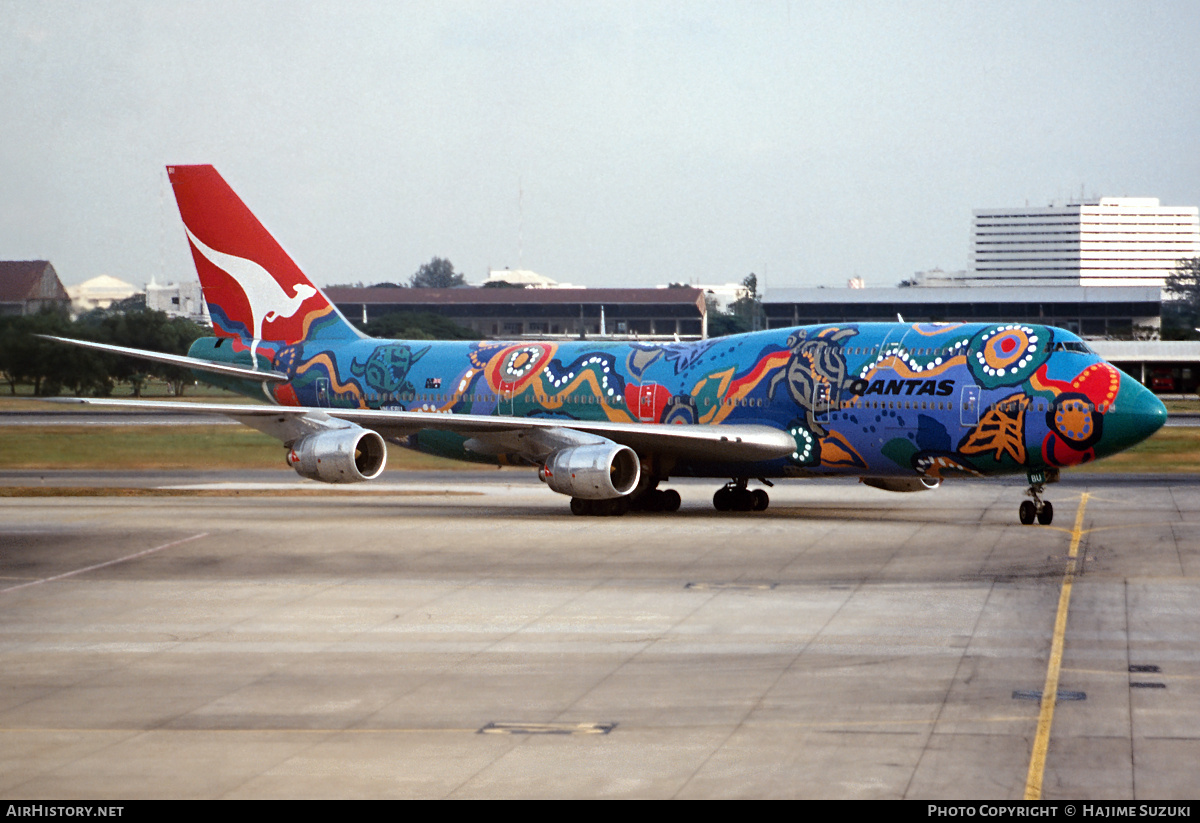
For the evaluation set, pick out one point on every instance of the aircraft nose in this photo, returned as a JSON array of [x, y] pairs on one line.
[[1135, 415]]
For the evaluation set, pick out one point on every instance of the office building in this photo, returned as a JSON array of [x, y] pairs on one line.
[[1111, 241]]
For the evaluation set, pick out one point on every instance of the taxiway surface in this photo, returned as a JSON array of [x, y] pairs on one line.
[[479, 641]]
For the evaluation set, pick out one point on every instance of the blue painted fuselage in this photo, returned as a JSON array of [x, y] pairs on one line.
[[871, 399]]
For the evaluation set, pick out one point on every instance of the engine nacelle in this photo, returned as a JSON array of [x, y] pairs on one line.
[[599, 472], [348, 455], [902, 484]]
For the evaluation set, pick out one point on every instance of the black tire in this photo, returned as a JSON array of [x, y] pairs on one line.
[[671, 500], [723, 500], [761, 500], [1027, 512], [579, 506], [743, 500], [1046, 515]]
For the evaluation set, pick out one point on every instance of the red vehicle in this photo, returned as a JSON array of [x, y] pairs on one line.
[[1162, 381]]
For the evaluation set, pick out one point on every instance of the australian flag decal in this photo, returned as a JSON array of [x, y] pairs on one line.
[[433, 382]]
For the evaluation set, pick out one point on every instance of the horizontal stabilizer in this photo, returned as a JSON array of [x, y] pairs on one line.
[[177, 360]]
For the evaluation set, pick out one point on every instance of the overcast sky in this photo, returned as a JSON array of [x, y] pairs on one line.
[[604, 143]]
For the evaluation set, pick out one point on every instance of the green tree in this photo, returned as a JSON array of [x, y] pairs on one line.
[[23, 357], [1182, 315], [438, 273], [749, 307], [46, 366], [723, 323], [51, 367], [152, 331]]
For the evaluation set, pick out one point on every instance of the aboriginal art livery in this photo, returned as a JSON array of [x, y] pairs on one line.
[[902, 406]]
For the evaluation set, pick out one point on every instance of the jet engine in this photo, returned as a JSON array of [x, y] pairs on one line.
[[902, 484], [597, 472], [348, 455]]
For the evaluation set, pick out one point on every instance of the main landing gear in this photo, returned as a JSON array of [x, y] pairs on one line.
[[1037, 508], [650, 500], [735, 497], [657, 500], [613, 507]]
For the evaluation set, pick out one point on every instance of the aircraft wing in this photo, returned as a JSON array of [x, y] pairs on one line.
[[724, 443]]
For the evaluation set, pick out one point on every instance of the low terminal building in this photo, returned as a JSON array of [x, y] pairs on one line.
[[681, 313], [1118, 311], [544, 313], [1164, 366]]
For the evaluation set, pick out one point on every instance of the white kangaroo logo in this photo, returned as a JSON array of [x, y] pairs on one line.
[[268, 301]]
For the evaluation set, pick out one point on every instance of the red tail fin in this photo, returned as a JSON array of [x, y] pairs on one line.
[[253, 288]]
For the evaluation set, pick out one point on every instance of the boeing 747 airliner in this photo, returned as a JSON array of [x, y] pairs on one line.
[[903, 406]]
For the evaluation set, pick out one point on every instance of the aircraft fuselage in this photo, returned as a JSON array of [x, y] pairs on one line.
[[870, 399]]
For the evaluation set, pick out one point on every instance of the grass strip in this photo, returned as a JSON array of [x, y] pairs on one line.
[[164, 447], [1170, 450], [1174, 449], [323, 491]]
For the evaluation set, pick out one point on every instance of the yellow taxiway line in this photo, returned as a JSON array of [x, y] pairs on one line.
[[1041, 741]]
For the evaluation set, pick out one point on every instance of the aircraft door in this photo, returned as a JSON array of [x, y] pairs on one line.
[[968, 414], [322, 385], [645, 409], [821, 402], [504, 400], [893, 335]]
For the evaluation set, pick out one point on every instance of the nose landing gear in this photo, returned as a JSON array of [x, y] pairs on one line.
[[1037, 508]]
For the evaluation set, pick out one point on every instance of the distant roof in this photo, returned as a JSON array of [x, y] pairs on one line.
[[971, 294], [106, 281], [1163, 351], [22, 280], [491, 297], [524, 277]]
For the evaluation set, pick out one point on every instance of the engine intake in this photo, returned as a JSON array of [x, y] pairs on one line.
[[902, 484], [349, 455], [598, 472]]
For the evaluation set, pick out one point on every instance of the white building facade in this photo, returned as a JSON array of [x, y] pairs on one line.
[[526, 278], [1111, 241], [179, 300], [99, 293]]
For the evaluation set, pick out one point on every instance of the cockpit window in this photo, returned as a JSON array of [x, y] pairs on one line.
[[1076, 346]]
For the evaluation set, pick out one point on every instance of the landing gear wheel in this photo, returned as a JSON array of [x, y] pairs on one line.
[[614, 507], [670, 500], [734, 496], [617, 506], [1036, 507], [1046, 515], [655, 500], [1027, 512], [723, 499]]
